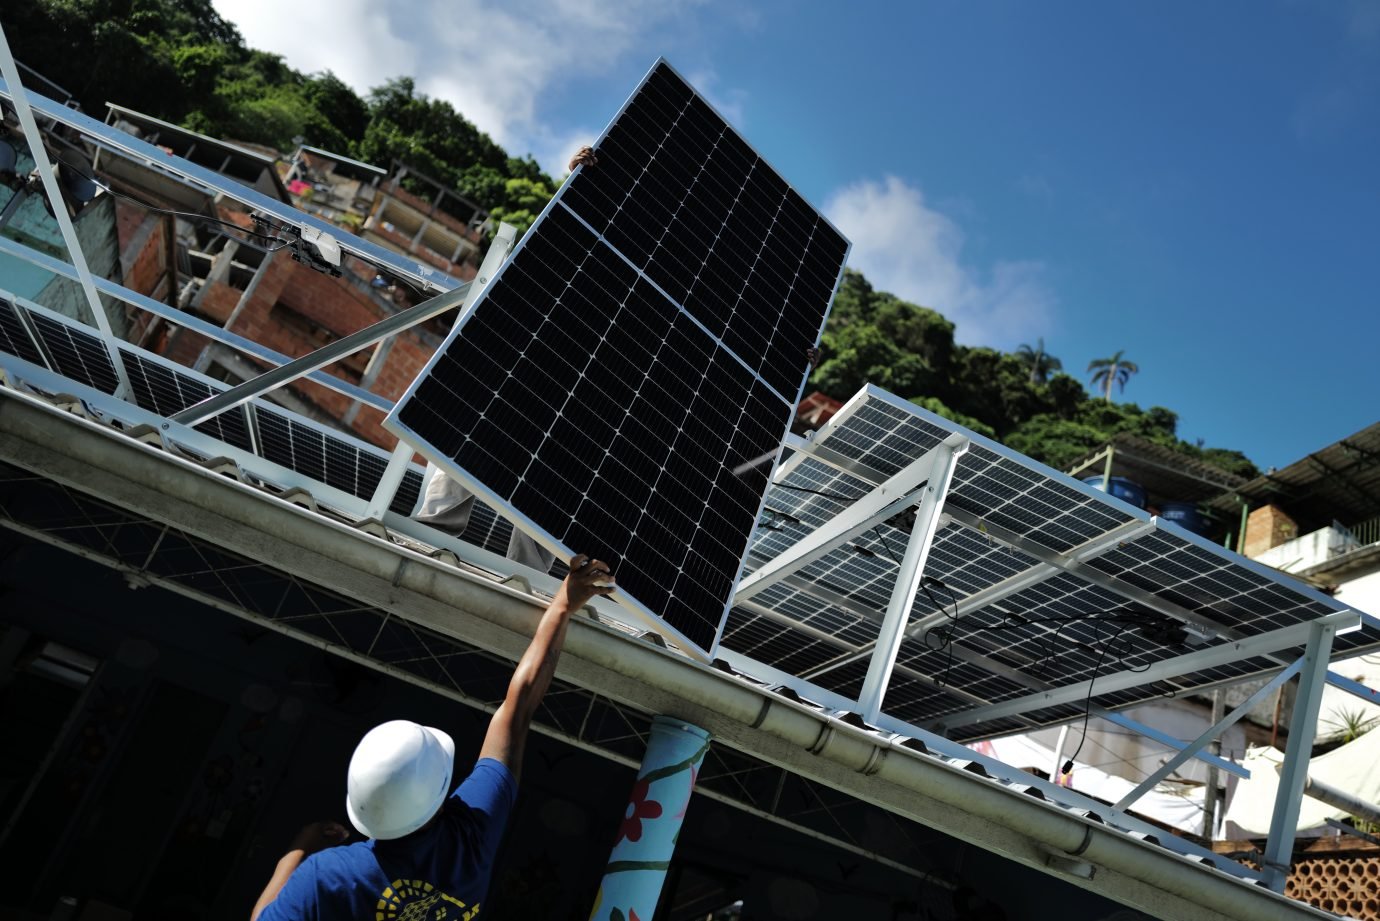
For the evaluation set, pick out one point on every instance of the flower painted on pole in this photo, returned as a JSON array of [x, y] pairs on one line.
[[639, 808]]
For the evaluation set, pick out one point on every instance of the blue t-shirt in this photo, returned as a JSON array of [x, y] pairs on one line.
[[437, 873]]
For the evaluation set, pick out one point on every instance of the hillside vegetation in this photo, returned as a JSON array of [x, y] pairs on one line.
[[180, 61]]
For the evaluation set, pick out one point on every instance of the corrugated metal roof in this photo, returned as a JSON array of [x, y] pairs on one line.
[[1340, 482]]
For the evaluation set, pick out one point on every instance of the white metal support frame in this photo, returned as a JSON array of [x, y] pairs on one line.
[[942, 462], [1289, 637], [884, 501], [402, 454], [39, 151], [1212, 732], [315, 361], [209, 330], [1293, 776]]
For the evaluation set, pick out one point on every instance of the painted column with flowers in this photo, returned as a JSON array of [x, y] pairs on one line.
[[651, 823]]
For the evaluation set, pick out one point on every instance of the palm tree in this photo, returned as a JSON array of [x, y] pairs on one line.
[[1107, 371], [1041, 363]]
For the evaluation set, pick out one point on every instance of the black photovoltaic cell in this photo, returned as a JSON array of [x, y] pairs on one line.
[[13, 337], [686, 200], [647, 337], [336, 459], [1039, 636], [162, 390], [80, 356]]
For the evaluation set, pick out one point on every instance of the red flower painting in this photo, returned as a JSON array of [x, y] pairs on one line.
[[639, 808]]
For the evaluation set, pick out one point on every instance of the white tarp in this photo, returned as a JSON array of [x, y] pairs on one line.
[[1352, 768], [1177, 805]]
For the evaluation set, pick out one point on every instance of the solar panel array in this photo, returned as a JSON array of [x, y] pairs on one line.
[[648, 336], [1006, 516], [283, 437]]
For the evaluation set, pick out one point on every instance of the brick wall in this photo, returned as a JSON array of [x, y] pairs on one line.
[[1268, 527]]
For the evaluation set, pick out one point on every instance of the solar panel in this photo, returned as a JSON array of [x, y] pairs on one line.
[[646, 338], [334, 458], [1041, 582], [13, 337]]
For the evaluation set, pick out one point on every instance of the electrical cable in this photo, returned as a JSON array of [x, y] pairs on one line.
[[1087, 704]]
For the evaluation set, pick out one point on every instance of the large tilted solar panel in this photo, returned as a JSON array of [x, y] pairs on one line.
[[283, 437], [1005, 516], [647, 337]]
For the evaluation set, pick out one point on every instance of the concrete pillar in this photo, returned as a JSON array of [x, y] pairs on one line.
[[651, 823]]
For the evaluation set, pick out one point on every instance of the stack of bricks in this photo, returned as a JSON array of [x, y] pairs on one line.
[[1268, 527], [1339, 875], [1345, 885]]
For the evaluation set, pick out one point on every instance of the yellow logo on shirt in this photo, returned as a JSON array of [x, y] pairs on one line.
[[415, 900]]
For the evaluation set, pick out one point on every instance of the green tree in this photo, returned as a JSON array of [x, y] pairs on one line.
[[1058, 441], [1041, 363], [937, 407], [523, 200], [876, 337], [1107, 371]]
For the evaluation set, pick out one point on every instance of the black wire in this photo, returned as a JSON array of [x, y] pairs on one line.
[[1087, 704], [878, 530], [925, 584]]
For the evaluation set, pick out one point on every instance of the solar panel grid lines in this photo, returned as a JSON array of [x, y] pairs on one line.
[[1078, 579], [14, 338], [699, 200], [78, 355], [164, 391], [645, 337]]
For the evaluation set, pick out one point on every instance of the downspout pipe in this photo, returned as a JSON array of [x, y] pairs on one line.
[[876, 768]]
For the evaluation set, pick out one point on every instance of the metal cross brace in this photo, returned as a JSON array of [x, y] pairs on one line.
[[1211, 733], [313, 361], [887, 499], [1221, 654], [39, 151]]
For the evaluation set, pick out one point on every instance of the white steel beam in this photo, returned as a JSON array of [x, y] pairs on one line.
[[1232, 651], [1279, 848], [39, 151], [890, 498], [942, 461], [1212, 732], [315, 361]]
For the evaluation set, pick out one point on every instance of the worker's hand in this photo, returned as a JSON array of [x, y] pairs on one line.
[[584, 157], [587, 578], [813, 355], [318, 836]]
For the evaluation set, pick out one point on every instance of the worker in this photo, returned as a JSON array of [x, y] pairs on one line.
[[429, 855], [446, 505]]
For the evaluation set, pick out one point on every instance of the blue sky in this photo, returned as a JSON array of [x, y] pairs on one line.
[[1197, 184]]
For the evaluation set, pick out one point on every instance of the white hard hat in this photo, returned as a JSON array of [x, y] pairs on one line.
[[399, 777]]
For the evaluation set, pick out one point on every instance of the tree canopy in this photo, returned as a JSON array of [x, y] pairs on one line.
[[1021, 398], [180, 61], [1114, 370]]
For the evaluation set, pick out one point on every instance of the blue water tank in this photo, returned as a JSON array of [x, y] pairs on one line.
[[1126, 490], [1186, 515]]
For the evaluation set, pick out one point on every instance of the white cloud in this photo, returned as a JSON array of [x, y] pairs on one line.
[[493, 62], [906, 247]]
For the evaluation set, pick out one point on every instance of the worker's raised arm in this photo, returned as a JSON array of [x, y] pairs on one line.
[[508, 728]]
